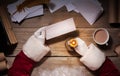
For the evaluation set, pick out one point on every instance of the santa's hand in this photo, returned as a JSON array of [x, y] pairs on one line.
[[81, 47], [35, 48], [93, 58]]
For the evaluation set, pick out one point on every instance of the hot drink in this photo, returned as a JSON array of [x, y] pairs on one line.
[[100, 36]]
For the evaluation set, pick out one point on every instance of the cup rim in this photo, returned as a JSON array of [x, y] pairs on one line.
[[105, 42]]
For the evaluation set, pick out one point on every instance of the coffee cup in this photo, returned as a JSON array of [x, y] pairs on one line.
[[101, 36]]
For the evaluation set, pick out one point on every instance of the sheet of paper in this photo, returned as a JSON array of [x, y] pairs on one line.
[[69, 6], [13, 19], [54, 5], [89, 10], [26, 13], [34, 8], [60, 28], [76, 10], [12, 8], [19, 16], [96, 2], [35, 13]]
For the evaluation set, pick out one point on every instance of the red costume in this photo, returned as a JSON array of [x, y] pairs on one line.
[[107, 69]]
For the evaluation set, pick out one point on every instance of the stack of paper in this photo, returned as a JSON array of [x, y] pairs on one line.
[[90, 9], [17, 16]]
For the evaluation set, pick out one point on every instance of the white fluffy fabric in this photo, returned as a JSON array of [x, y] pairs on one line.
[[93, 58], [34, 49], [82, 47], [61, 71]]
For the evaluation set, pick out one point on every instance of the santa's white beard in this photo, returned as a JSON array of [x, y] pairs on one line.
[[61, 71]]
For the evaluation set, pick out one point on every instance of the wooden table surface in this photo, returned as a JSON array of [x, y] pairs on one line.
[[59, 55]]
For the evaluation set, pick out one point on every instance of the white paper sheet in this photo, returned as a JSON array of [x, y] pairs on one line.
[[12, 8], [69, 6], [26, 13], [13, 19], [76, 11], [35, 13], [88, 9], [54, 5], [19, 16], [60, 28], [34, 8]]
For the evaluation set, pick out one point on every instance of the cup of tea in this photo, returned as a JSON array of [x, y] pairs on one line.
[[101, 36]]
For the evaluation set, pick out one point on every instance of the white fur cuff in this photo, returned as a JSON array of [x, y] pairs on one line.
[[34, 49], [93, 58]]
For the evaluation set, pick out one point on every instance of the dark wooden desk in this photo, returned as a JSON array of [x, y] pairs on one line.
[[59, 55]]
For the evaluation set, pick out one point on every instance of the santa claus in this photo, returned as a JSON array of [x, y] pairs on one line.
[[35, 49]]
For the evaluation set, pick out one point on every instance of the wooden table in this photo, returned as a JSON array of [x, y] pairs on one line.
[[59, 56]]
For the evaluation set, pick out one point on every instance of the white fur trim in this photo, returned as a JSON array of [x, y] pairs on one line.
[[61, 70], [82, 47], [34, 49], [93, 58]]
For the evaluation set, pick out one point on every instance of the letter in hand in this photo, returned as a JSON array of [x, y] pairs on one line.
[[35, 47]]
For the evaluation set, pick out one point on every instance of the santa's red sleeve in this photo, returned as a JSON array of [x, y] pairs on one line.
[[22, 66], [108, 69]]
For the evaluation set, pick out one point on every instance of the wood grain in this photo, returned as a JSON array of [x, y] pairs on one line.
[[7, 23], [57, 45]]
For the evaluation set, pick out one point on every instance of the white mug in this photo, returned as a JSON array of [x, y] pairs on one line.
[[101, 36]]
